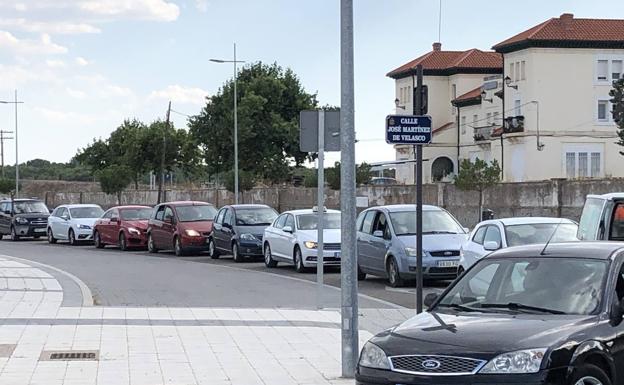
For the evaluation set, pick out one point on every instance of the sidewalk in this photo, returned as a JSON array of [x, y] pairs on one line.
[[150, 346]]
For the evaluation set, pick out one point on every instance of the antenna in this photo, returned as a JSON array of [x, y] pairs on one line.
[[551, 237]]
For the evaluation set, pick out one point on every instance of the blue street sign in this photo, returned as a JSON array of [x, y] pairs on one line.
[[408, 129]]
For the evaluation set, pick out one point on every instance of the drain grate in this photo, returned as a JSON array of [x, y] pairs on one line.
[[6, 350], [70, 355]]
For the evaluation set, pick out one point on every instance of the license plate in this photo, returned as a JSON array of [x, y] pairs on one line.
[[337, 254], [448, 263], [39, 230]]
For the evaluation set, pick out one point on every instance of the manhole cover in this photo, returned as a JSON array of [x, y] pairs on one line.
[[6, 350], [70, 355]]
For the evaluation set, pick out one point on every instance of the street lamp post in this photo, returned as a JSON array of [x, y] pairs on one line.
[[235, 62], [15, 102]]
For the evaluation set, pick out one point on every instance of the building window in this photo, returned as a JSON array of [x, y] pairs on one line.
[[463, 125], [495, 117], [603, 110], [616, 70], [512, 71], [602, 70], [518, 107], [489, 118], [517, 70], [475, 119], [570, 164], [595, 165], [583, 163], [523, 70]]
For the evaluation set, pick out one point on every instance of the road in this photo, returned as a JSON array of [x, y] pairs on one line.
[[137, 278]]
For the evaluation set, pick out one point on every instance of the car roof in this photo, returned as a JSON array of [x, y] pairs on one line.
[[187, 203], [610, 196], [248, 206], [75, 206], [591, 250], [22, 200], [398, 208], [526, 221], [309, 211], [130, 207]]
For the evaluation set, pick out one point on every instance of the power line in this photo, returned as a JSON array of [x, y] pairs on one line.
[[181, 113]]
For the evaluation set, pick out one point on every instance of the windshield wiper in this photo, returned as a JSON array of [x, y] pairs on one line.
[[518, 306], [439, 232], [457, 307]]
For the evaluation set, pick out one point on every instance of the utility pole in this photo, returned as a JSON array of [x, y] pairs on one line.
[[15, 102], [2, 139], [162, 159], [418, 109], [348, 268]]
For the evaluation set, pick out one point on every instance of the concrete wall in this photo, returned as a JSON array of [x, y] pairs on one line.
[[559, 198]]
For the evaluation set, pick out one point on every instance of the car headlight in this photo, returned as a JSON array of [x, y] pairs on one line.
[[310, 245], [522, 361], [410, 251], [134, 231], [247, 237], [21, 221], [372, 356], [84, 227], [192, 233]]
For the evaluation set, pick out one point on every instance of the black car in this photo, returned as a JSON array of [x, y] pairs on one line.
[[23, 218], [238, 229], [523, 315]]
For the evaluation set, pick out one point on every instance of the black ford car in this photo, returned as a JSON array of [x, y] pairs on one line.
[[23, 218], [523, 315]]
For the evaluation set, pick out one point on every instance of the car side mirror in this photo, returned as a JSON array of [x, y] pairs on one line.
[[378, 233], [169, 219], [466, 230], [65, 217], [491, 245], [114, 219], [617, 312], [430, 299], [287, 229]]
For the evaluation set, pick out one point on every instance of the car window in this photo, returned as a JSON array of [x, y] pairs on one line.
[[492, 234], [115, 213], [617, 223], [279, 223], [86, 212], [590, 219], [29, 207], [535, 233], [227, 217], [290, 221], [3, 207], [310, 221], [196, 213], [108, 214], [61, 212], [137, 214], [255, 216], [168, 213], [434, 222], [220, 216], [160, 213], [479, 235], [380, 223], [367, 223], [619, 287]]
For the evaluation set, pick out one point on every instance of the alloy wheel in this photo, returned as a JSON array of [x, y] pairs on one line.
[[97, 240], [236, 253], [51, 238], [72, 238], [212, 250], [14, 236], [122, 242], [588, 380], [299, 266], [151, 246], [268, 258]]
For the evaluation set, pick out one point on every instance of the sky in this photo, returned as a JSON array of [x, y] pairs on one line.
[[83, 66]]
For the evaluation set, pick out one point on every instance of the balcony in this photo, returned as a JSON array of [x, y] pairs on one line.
[[514, 124], [483, 133]]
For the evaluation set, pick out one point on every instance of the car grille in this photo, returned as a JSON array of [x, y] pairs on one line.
[[439, 365], [325, 259], [442, 270], [331, 246], [445, 253]]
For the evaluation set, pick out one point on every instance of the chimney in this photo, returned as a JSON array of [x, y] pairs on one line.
[[566, 21], [437, 46], [566, 16]]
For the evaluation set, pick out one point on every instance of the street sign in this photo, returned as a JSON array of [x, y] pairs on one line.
[[309, 129], [408, 129]]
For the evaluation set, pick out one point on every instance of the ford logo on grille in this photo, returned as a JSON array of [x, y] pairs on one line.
[[430, 364], [448, 253]]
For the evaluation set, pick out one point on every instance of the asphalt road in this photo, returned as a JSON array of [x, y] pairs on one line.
[[137, 278]]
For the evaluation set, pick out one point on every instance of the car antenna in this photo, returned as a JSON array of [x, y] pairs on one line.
[[551, 237]]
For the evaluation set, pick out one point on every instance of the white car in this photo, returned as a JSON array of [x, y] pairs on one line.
[[489, 236], [292, 238], [73, 223]]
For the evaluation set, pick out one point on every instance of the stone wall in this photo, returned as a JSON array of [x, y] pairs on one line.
[[559, 198]]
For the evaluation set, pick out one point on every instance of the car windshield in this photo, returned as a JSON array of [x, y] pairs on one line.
[[434, 222], [137, 214], [196, 213], [86, 212], [310, 221], [549, 285], [255, 216], [27, 207], [532, 233]]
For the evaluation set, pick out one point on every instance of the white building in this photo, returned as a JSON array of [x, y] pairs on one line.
[[552, 100]]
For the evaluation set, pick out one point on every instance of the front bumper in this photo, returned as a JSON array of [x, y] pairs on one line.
[[30, 230], [434, 268], [83, 234], [196, 244], [330, 257], [367, 376], [136, 240], [250, 248]]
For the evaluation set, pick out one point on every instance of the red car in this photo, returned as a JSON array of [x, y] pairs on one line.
[[125, 226], [180, 226]]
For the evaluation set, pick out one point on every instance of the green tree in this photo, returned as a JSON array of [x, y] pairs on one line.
[[269, 101], [96, 156], [362, 175], [125, 148], [114, 179], [617, 98], [6, 185], [477, 176], [246, 180]]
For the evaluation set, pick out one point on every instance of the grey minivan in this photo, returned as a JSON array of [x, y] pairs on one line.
[[386, 242]]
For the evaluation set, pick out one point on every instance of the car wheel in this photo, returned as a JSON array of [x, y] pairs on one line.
[[212, 249], [97, 241], [392, 269], [72, 238], [51, 239], [14, 236], [589, 375], [360, 274], [123, 243], [299, 266], [151, 246], [268, 257], [238, 258], [177, 247], [1, 236]]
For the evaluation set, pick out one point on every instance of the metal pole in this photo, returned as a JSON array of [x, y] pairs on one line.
[[161, 183], [16, 153], [235, 133], [2, 151], [320, 263], [348, 273], [419, 177]]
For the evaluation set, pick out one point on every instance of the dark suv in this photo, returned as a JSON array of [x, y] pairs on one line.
[[23, 218]]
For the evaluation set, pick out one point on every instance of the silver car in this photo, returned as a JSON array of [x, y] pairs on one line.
[[386, 241]]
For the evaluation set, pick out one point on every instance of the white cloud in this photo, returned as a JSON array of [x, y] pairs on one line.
[[50, 114], [65, 28], [179, 94], [201, 5], [43, 46], [76, 94], [21, 7], [160, 10], [55, 63], [81, 61]]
